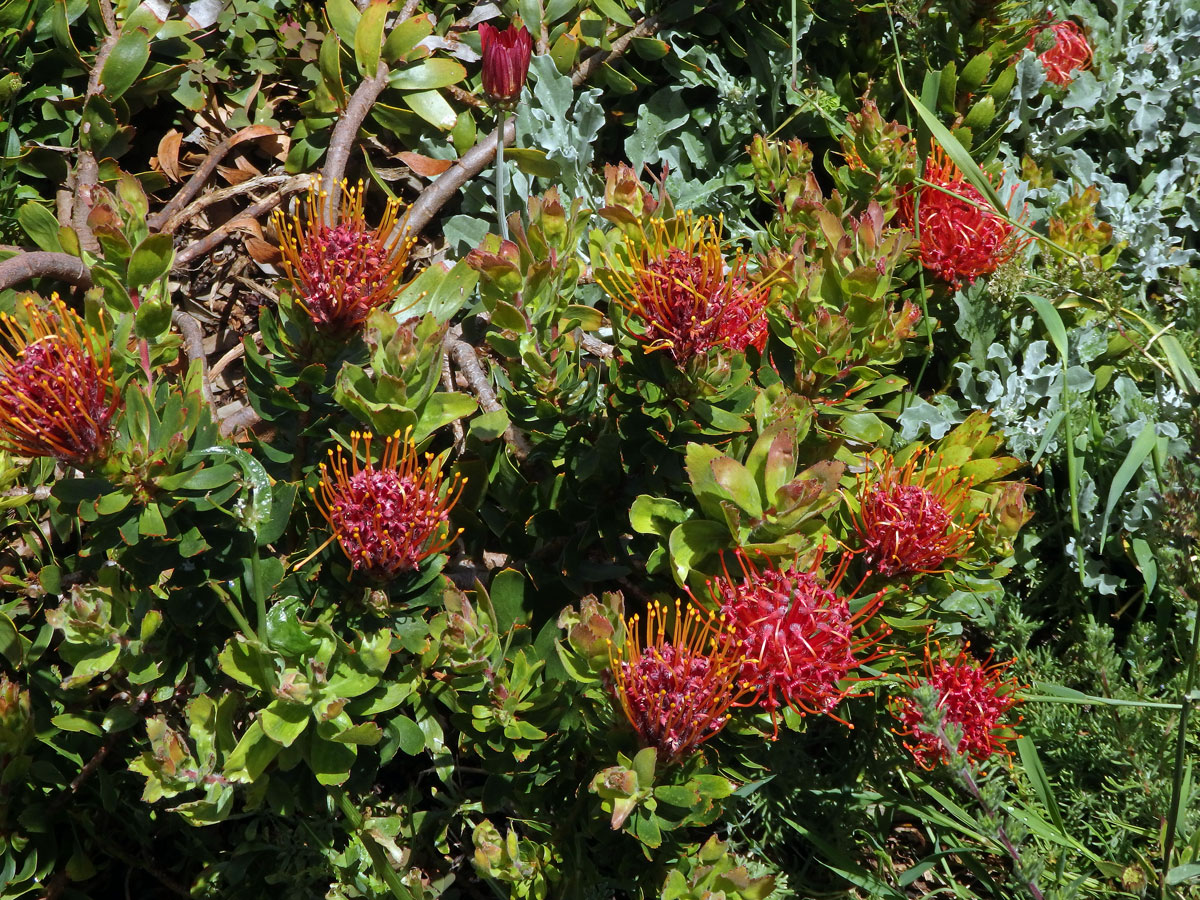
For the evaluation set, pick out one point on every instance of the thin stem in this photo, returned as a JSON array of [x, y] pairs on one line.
[[1180, 750], [500, 182]]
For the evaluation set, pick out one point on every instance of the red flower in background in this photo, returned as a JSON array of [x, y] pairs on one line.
[[343, 271], [387, 518], [971, 695], [796, 634], [505, 62], [686, 297], [677, 678], [1070, 52], [911, 522], [57, 395], [961, 236]]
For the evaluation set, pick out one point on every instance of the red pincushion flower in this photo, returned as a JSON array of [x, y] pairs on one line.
[[971, 695], [1069, 54], [911, 522], [796, 633], [961, 236], [686, 298], [505, 62], [390, 518], [677, 678], [57, 395], [343, 271]]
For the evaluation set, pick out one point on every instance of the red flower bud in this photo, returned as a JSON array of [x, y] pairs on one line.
[[505, 62]]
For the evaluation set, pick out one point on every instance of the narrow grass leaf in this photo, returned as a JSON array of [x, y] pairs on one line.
[[1133, 462]]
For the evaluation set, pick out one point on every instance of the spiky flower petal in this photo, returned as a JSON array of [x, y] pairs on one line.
[[677, 677], [797, 633], [57, 392], [342, 270], [388, 517], [911, 521], [961, 236], [971, 695], [684, 296], [1069, 53]]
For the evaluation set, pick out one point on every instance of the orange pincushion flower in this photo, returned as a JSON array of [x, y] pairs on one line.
[[971, 695], [796, 633], [57, 395], [911, 522], [343, 270], [687, 299], [677, 678], [1070, 52], [961, 236], [387, 518]]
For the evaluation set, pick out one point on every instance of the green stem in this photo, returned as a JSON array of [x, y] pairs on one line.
[[260, 597], [501, 184], [379, 860], [1180, 751], [233, 610]]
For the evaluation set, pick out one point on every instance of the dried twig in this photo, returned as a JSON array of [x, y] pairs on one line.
[[595, 346], [192, 187], [203, 202], [218, 235], [233, 353], [346, 131], [44, 264], [245, 417]]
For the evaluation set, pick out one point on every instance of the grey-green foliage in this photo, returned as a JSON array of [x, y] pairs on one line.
[[1128, 127]]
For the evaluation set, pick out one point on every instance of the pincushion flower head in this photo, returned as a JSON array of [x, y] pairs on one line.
[[682, 296], [961, 236], [1068, 51], [797, 634], [57, 392], [505, 62], [677, 677], [343, 269], [910, 521], [388, 517], [971, 695]]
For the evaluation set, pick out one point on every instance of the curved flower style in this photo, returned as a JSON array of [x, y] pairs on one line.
[[910, 522], [342, 272], [389, 518], [797, 634], [961, 235], [688, 300], [505, 62], [57, 396], [677, 678], [1070, 52], [971, 695]]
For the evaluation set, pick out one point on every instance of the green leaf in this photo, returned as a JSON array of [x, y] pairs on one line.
[[40, 225], [405, 36], [329, 61], [252, 755], [365, 734], [1181, 367], [614, 11], [12, 644], [507, 591], [1186, 872], [283, 722], [1142, 445], [69, 722], [489, 426], [151, 260], [343, 16], [656, 515], [1053, 322], [368, 37], [408, 734], [1037, 778], [330, 761], [739, 483], [150, 522], [125, 63], [433, 108], [99, 125], [692, 542], [428, 75]]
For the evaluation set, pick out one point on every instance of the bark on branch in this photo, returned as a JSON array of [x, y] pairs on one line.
[[44, 264]]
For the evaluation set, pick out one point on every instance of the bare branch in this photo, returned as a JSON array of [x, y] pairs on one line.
[[470, 164], [192, 187], [193, 343], [202, 203], [44, 264], [588, 67], [245, 417], [463, 355], [346, 132], [218, 235]]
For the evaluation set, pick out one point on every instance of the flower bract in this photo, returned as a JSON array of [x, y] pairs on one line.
[[969, 694], [684, 296], [505, 62], [676, 677], [961, 236], [57, 392], [344, 269], [796, 632], [388, 517], [911, 521]]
